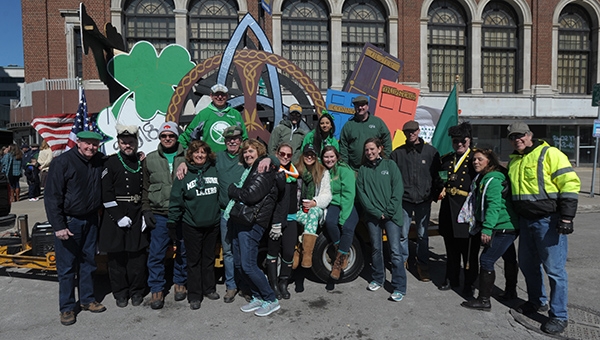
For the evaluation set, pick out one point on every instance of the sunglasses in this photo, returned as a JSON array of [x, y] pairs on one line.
[[165, 136], [310, 155], [219, 94], [516, 136], [285, 154], [459, 141]]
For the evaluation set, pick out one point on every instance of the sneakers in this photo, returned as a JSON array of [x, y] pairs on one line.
[[267, 308], [396, 296], [555, 326], [373, 286], [212, 296], [252, 306], [67, 318], [530, 308], [180, 292], [229, 295], [94, 307], [35, 199], [157, 301]]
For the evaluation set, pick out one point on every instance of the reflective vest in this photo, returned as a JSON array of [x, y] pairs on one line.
[[542, 174]]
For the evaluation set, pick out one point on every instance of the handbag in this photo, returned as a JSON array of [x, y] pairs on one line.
[[244, 214]]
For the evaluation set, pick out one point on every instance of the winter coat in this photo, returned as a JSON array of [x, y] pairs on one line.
[[158, 179], [380, 189], [497, 210], [353, 137], [343, 189], [283, 133]]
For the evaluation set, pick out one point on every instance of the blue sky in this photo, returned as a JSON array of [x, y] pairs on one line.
[[11, 33]]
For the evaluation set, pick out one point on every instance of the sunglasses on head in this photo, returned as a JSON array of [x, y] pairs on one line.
[[459, 141], [285, 154], [167, 135], [516, 136]]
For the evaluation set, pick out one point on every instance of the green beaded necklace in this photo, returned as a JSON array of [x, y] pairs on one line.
[[127, 167]]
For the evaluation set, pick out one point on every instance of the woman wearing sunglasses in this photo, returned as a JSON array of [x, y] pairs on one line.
[[458, 166], [195, 202], [315, 193]]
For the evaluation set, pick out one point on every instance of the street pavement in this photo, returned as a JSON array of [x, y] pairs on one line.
[[29, 302]]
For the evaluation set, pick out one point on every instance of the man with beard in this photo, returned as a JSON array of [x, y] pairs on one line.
[[209, 123], [159, 169], [289, 131], [122, 229], [360, 128], [72, 200]]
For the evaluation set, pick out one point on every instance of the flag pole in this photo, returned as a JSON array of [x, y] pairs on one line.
[[456, 79]]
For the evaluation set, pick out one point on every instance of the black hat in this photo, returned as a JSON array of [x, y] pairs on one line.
[[461, 130], [411, 125], [309, 148]]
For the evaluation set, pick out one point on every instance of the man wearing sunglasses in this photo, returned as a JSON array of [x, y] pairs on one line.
[[159, 170], [459, 243], [210, 122], [545, 192]]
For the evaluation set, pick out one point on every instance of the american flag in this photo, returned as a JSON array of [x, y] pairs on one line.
[[60, 131]]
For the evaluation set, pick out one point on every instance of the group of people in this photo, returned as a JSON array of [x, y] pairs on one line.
[[201, 184], [29, 161]]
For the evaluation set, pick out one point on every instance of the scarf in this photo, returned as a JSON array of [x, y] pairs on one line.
[[239, 185], [291, 174], [308, 186]]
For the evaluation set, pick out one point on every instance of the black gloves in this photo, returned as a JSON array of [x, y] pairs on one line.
[[172, 231], [565, 227], [149, 219]]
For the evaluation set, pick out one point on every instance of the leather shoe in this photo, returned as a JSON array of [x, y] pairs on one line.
[[195, 304], [157, 301], [67, 318], [122, 302], [445, 286], [530, 308], [137, 300], [229, 295], [555, 326], [213, 296], [180, 292]]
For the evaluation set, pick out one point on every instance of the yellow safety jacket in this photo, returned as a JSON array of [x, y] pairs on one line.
[[543, 182]]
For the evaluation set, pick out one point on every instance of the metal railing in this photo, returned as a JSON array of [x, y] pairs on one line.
[[46, 85]]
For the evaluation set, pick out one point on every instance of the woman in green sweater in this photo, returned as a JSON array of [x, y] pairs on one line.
[[379, 189], [496, 218], [341, 218], [195, 202], [322, 135]]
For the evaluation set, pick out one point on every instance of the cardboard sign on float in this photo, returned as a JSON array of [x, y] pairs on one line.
[[396, 105]]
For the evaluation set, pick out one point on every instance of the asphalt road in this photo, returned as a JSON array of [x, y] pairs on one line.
[[29, 303]]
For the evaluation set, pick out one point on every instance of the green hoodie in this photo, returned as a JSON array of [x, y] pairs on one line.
[[197, 207], [353, 137], [379, 189], [498, 212], [343, 189], [213, 122]]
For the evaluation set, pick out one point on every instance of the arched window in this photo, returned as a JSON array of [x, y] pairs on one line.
[[150, 20], [499, 48], [574, 51], [212, 23], [447, 46], [305, 38], [362, 21]]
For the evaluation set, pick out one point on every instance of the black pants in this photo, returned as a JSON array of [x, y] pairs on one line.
[[286, 243], [127, 273], [457, 248], [200, 244]]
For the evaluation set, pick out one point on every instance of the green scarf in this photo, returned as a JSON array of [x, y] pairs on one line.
[[308, 186], [239, 185]]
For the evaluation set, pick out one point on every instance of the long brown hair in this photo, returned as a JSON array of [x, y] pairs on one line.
[[493, 164], [316, 170]]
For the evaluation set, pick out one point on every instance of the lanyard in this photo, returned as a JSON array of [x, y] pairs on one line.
[[461, 160]]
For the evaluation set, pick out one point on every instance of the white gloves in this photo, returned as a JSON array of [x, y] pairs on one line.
[[125, 222], [275, 232]]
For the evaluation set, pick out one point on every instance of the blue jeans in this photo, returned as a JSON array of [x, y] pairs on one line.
[[345, 236], [75, 257], [495, 249], [246, 243], [394, 235], [226, 236], [541, 245], [421, 212], [159, 241]]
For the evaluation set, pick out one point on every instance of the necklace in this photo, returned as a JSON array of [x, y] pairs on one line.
[[127, 167]]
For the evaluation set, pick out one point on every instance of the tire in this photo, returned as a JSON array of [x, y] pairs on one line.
[[321, 266]]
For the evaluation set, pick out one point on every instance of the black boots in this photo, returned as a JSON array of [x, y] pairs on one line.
[[272, 274], [486, 285], [284, 276], [511, 273]]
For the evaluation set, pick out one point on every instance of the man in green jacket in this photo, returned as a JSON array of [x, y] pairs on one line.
[[159, 172], [209, 123], [360, 128]]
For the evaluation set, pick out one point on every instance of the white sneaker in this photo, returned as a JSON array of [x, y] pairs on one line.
[[373, 286], [252, 306], [268, 308]]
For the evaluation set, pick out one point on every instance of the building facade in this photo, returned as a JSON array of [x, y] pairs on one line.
[[11, 81], [531, 60]]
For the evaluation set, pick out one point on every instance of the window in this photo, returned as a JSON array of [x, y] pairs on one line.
[[362, 21], [499, 48], [151, 20], [212, 23], [574, 51], [447, 46], [305, 38]]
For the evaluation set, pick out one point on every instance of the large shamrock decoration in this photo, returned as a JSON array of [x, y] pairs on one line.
[[150, 77]]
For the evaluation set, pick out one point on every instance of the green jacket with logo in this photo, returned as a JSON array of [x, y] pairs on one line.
[[379, 189], [353, 137]]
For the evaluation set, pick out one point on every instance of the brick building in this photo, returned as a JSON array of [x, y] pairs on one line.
[[516, 59]]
